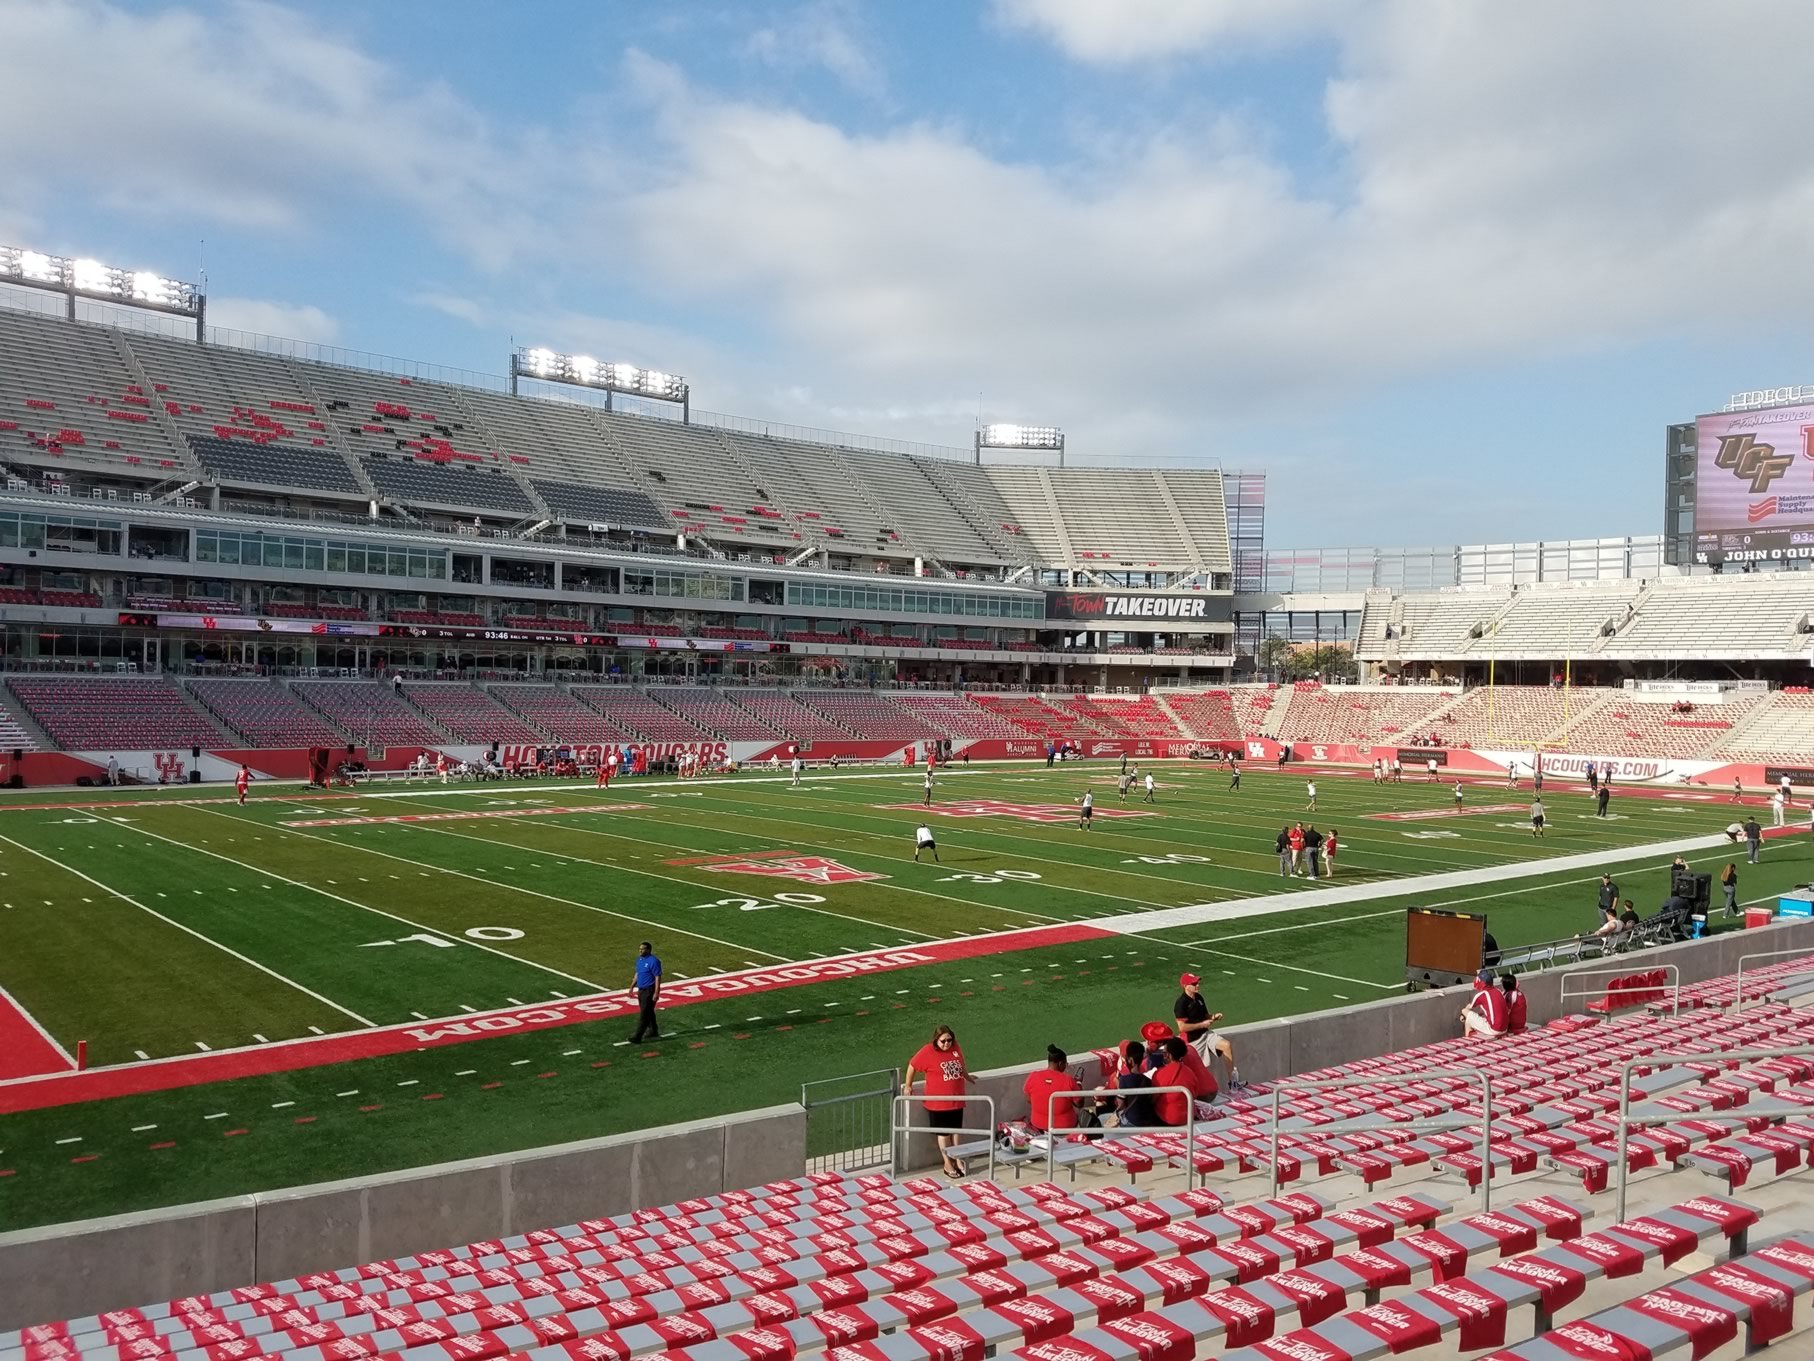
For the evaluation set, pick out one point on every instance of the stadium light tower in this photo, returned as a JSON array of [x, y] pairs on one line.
[[85, 278], [581, 370], [1020, 437]]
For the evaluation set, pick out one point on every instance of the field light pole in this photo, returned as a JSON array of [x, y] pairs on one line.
[[582, 370], [82, 277], [1048, 437]]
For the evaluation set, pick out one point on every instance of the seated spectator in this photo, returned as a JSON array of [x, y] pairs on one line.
[[1609, 923], [1041, 1086], [1484, 1016], [1517, 1009], [1137, 1110], [1629, 917], [1182, 1068]]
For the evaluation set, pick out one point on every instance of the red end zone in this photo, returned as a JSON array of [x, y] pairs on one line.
[[54, 1085], [25, 1049]]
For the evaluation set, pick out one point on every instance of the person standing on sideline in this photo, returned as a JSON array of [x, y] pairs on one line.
[[927, 797], [1430, 769], [1536, 817], [1778, 816], [947, 1075], [1593, 778], [1310, 792], [796, 765], [1329, 850], [1121, 785], [1787, 789], [1296, 841], [1608, 895], [647, 991], [1398, 771], [1148, 796], [1197, 1026], [1754, 837], [113, 770], [1234, 775], [1283, 847], [1124, 763], [1738, 792], [1458, 794], [1379, 770], [922, 841], [1729, 888], [241, 783], [1087, 813], [1313, 850], [1600, 799]]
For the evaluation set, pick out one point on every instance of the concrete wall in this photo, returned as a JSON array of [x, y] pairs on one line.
[[70, 1270]]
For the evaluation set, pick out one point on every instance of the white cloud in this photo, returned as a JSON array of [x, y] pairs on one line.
[[251, 116], [1120, 32], [1516, 182], [826, 35], [265, 318]]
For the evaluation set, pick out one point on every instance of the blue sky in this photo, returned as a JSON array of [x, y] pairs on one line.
[[1443, 271]]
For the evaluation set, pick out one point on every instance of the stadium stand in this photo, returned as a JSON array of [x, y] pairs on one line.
[[1622, 726], [265, 714], [635, 713], [1038, 718], [1209, 716], [68, 397], [1568, 619], [467, 714], [874, 1268], [1514, 715], [128, 714], [369, 712], [557, 713], [1779, 730], [1123, 716], [1253, 706], [789, 715], [715, 713], [1438, 626], [1363, 716], [928, 517], [957, 716], [892, 717], [1724, 616]]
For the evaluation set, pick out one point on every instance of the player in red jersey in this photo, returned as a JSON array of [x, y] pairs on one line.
[[242, 782]]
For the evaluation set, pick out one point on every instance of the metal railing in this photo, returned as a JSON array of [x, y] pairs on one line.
[[1738, 987], [904, 1100], [1658, 1061], [1626, 971], [1433, 1123], [850, 1133], [1124, 1131]]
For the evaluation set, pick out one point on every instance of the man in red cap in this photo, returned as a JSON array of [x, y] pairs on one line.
[[1196, 1027]]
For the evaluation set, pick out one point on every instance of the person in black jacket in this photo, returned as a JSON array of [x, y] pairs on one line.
[[1283, 847]]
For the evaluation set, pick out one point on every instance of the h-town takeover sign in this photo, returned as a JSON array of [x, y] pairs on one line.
[[1134, 605]]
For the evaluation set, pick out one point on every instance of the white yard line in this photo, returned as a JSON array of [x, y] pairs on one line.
[[188, 930]]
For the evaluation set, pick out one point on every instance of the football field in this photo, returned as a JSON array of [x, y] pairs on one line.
[[320, 985]]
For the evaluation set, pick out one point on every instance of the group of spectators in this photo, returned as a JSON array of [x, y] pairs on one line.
[[1494, 1011], [1155, 1079]]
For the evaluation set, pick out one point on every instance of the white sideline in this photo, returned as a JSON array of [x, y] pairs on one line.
[[1137, 923]]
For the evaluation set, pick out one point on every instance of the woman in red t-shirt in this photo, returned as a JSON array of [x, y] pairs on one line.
[[1040, 1086], [946, 1077]]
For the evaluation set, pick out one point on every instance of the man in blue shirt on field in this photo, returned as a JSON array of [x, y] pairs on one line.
[[648, 991]]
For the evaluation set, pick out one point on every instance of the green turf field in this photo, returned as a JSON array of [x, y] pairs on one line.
[[172, 927]]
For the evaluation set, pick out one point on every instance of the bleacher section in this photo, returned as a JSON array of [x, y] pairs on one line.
[[559, 714], [1209, 716], [128, 714], [470, 715], [1623, 727], [715, 713], [1037, 718], [789, 716], [636, 714], [1122, 716], [1327, 1266], [68, 398], [1514, 715], [265, 714], [1437, 626], [369, 713], [151, 407], [1725, 616], [1779, 732], [1567, 620], [1364, 717], [896, 718]]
